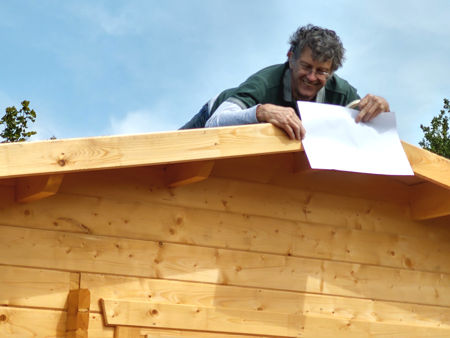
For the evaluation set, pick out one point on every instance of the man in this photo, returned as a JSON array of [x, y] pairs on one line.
[[270, 95]]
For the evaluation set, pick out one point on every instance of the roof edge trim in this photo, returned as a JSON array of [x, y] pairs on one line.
[[112, 152], [428, 166]]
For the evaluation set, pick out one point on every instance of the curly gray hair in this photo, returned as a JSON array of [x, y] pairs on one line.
[[324, 43]]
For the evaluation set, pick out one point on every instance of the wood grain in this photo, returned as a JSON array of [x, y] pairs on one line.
[[20, 322], [429, 201], [179, 174], [255, 299], [311, 328], [428, 251], [249, 198], [109, 152], [34, 188], [77, 252], [429, 166], [139, 332], [34, 287], [97, 329], [187, 317]]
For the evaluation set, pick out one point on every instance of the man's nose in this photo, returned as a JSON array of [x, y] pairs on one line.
[[312, 76]]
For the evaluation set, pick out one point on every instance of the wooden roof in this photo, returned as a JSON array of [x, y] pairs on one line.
[[109, 152], [50, 159]]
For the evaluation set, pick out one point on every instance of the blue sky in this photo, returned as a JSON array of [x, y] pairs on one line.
[[94, 68]]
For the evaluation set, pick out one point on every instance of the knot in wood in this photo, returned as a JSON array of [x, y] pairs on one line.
[[62, 161], [2, 318]]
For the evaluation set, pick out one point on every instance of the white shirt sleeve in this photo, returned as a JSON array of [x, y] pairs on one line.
[[230, 114]]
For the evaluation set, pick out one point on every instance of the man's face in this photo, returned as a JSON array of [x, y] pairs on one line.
[[308, 76]]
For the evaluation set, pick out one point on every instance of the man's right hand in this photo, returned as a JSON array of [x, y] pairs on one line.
[[282, 117]]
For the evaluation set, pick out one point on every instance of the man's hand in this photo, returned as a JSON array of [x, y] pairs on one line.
[[370, 107], [282, 117]]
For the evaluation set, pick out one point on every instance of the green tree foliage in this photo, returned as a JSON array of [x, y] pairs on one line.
[[16, 123], [437, 136]]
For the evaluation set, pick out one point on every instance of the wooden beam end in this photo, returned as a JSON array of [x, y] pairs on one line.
[[29, 189]]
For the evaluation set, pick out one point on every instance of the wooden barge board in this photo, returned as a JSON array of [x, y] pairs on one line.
[[109, 152]]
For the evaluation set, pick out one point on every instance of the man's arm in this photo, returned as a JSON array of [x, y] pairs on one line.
[[229, 114]]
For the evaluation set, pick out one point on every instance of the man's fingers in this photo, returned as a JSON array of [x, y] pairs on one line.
[[299, 135], [285, 126], [293, 130], [370, 107], [282, 117], [294, 123], [371, 112], [288, 129], [302, 131], [361, 115]]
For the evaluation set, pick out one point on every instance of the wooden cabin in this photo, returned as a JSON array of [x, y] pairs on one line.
[[223, 232]]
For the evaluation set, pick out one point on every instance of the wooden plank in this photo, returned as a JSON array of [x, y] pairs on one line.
[[69, 155], [20, 322], [312, 327], [320, 327], [186, 173], [160, 222], [186, 317], [429, 166], [97, 329], [35, 287], [78, 304], [146, 315], [9, 182], [370, 187], [251, 299], [139, 332], [247, 198], [281, 169], [60, 156], [7, 195], [301, 163], [76, 334], [429, 201], [29, 189], [49, 323], [76, 252], [257, 168]]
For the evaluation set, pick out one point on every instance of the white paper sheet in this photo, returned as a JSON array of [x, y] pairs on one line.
[[335, 141]]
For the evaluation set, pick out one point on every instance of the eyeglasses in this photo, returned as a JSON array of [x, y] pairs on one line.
[[308, 69]]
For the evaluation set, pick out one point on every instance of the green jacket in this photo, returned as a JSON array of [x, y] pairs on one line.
[[268, 86]]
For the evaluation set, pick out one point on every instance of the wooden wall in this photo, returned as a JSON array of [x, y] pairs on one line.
[[257, 249]]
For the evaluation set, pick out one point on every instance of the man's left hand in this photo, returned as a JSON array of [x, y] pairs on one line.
[[371, 106]]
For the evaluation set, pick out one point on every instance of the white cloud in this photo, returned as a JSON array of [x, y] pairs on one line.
[[418, 17], [139, 121], [121, 21]]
